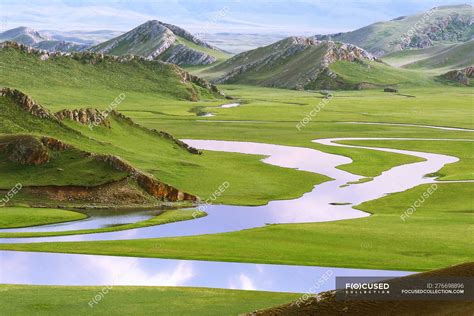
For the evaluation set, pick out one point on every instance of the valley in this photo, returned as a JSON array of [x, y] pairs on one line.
[[319, 156]]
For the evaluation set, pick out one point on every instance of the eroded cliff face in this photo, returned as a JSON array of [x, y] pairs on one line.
[[148, 183]]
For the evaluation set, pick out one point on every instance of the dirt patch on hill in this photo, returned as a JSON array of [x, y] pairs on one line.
[[116, 193]]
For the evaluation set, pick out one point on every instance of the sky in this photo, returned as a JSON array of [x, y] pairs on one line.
[[298, 17]]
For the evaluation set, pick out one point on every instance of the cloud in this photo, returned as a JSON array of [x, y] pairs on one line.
[[243, 282], [265, 16]]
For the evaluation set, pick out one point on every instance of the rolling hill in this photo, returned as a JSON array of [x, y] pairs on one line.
[[306, 63], [444, 24], [438, 58], [57, 162], [156, 40]]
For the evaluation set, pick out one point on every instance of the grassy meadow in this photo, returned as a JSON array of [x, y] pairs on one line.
[[435, 236]]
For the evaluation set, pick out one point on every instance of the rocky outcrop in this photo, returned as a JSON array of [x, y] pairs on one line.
[[26, 150], [84, 116], [190, 149], [26, 103], [462, 76], [183, 55], [54, 144], [344, 52], [203, 83], [451, 28]]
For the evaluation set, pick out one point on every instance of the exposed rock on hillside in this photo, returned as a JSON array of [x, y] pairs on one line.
[[462, 76], [27, 150], [149, 184], [26, 103], [183, 55], [84, 116]]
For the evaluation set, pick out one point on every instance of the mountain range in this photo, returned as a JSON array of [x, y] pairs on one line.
[[439, 40]]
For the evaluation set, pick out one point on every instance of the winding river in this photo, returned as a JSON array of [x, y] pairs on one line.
[[329, 201]]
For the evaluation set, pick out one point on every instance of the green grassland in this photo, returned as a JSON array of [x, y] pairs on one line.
[[13, 217], [198, 174], [60, 77], [129, 300], [273, 114]]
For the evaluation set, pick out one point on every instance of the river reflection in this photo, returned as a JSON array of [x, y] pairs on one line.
[[322, 204], [70, 269]]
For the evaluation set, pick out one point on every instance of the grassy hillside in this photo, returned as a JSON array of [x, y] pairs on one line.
[[58, 300], [436, 59], [299, 63], [107, 76], [13, 217], [153, 154], [377, 74]]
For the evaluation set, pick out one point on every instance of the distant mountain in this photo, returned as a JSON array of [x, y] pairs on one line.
[[236, 43], [26, 36], [60, 46], [438, 58], [294, 63], [23, 35], [161, 41], [82, 37], [444, 24]]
